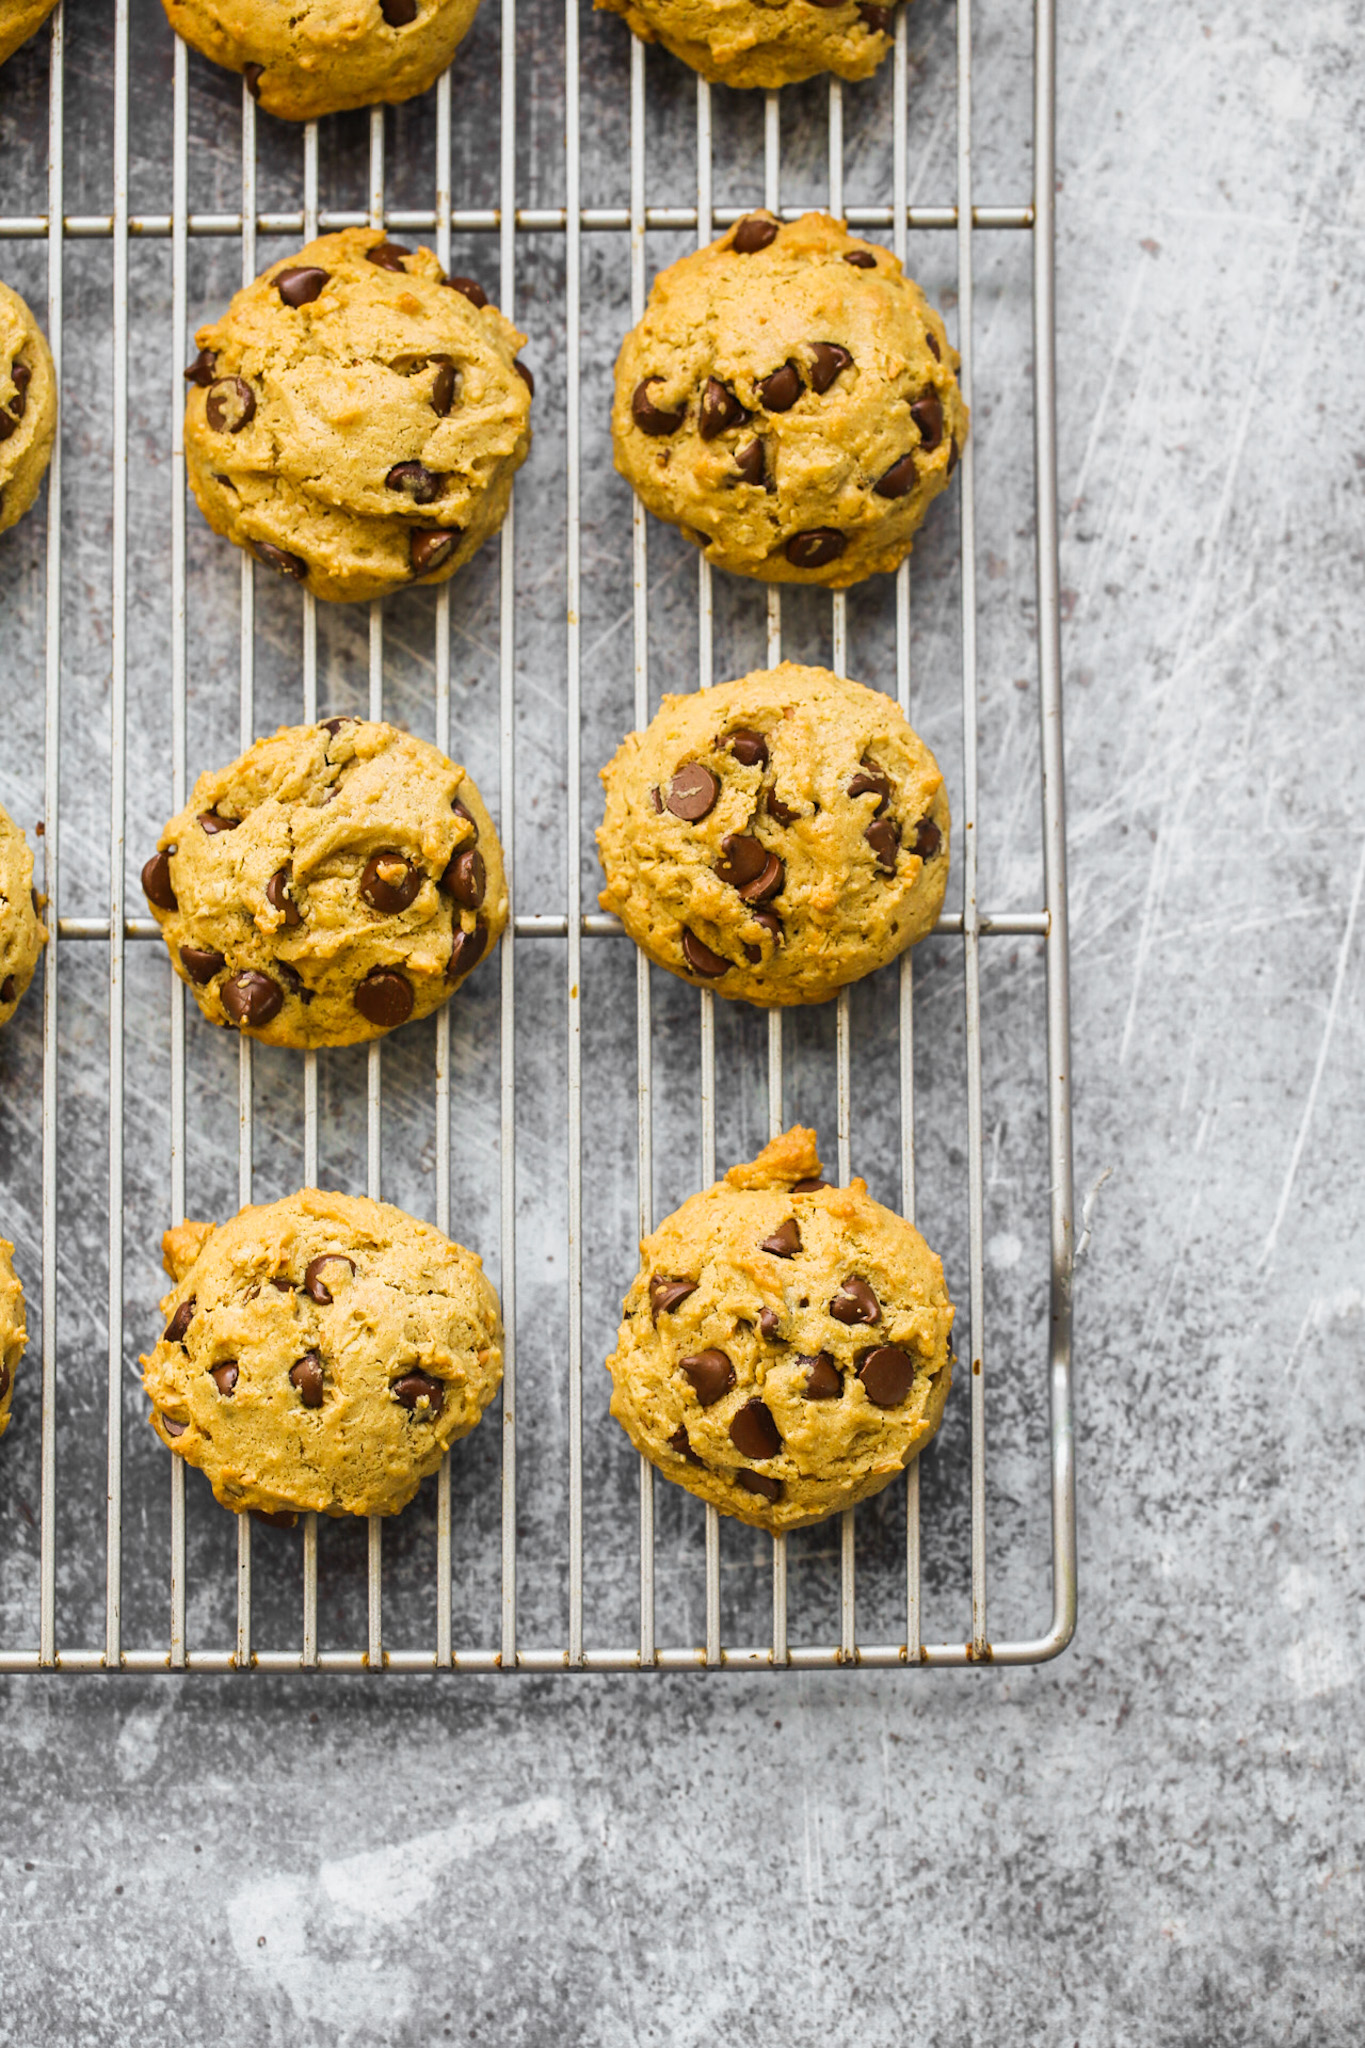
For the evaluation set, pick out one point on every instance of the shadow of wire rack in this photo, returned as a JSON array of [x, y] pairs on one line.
[[463, 1119]]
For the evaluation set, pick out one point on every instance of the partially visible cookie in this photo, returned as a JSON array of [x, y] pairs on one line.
[[356, 417], [13, 1329], [790, 401], [765, 42], [22, 931], [328, 885], [19, 19], [28, 407], [321, 1354], [786, 1348], [777, 837], [300, 62]]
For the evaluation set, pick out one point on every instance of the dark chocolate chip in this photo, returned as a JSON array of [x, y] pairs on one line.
[[424, 486], [666, 1293], [809, 1187], [398, 13], [815, 548], [4, 1379], [314, 1286], [771, 923], [156, 881], [467, 815], [692, 792], [749, 461], [745, 858], [203, 369], [466, 948], [201, 963], [932, 341], [280, 560], [172, 1427], [927, 839], [387, 255], [766, 885], [525, 375], [711, 1374], [871, 780], [420, 1394], [252, 74], [230, 406], [384, 997], [887, 1374], [656, 798], [899, 480], [649, 418], [927, 413], [334, 725], [8, 988], [389, 883], [770, 1323], [953, 454], [278, 897], [878, 19], [824, 1381], [431, 547], [761, 1483], [251, 998], [883, 835], [855, 1303], [718, 410], [293, 981], [281, 1285], [830, 359], [785, 1241], [781, 390], [701, 959], [224, 1376], [748, 747], [306, 1375], [753, 1431], [466, 878], [680, 1443], [175, 1329], [211, 823], [443, 389], [781, 813], [754, 234], [469, 288], [300, 284], [274, 1518], [861, 259]]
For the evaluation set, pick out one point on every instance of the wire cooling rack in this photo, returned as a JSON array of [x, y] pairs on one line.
[[439, 1588]]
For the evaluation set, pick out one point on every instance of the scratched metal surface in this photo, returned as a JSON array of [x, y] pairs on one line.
[[1153, 1838]]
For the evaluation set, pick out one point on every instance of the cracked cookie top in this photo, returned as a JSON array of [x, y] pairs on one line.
[[765, 42]]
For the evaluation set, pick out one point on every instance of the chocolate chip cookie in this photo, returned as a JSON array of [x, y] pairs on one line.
[[786, 1345], [765, 42], [28, 407], [22, 931], [356, 417], [300, 62], [13, 1329], [789, 400], [776, 837], [330, 884], [19, 19], [321, 1353]]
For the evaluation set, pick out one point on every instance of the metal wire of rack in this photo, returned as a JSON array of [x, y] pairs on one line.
[[963, 219]]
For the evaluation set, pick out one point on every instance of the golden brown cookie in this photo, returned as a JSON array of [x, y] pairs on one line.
[[321, 1353], [356, 417], [786, 1345], [777, 837], [765, 42], [13, 1329], [19, 19], [789, 400], [22, 931], [300, 62], [330, 884], [28, 407]]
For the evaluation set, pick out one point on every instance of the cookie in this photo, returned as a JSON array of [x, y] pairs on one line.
[[22, 931], [356, 417], [329, 885], [764, 42], [775, 838], [321, 1354], [786, 1345], [789, 400], [28, 407], [300, 62], [19, 19], [13, 1329]]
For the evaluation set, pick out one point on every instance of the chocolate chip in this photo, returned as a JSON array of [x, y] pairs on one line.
[[872, 781], [830, 359], [753, 234], [878, 19], [4, 1379], [745, 858], [384, 997], [680, 1443], [431, 547], [927, 413], [781, 390], [692, 792], [887, 1374], [281, 1285], [781, 813], [21, 376], [398, 13], [771, 923], [306, 1375], [931, 340], [211, 823], [224, 1376], [174, 1332], [759, 1482], [711, 1374], [201, 963], [656, 798], [824, 1381], [389, 883], [387, 255], [313, 1283], [420, 1394], [230, 406], [252, 74], [469, 288], [701, 959], [278, 897], [7, 989], [767, 884], [753, 1431], [899, 480], [649, 418], [280, 560], [293, 981], [300, 284], [927, 839], [251, 998], [156, 881], [749, 748], [883, 835], [719, 409], [749, 461], [443, 389], [172, 1427], [855, 1303], [424, 486], [274, 1518], [665, 1294], [461, 812], [785, 1241], [815, 548], [466, 948], [808, 1187], [953, 453], [769, 1322], [203, 369], [861, 259], [466, 878], [334, 725], [525, 375]]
